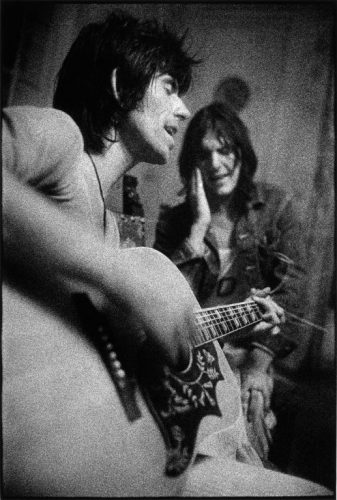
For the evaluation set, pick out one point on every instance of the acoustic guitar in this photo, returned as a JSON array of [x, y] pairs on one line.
[[76, 422]]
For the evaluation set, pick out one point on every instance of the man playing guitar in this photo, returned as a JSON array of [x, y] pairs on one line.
[[67, 431]]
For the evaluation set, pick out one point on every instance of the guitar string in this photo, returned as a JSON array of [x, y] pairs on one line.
[[292, 315], [210, 320], [205, 341], [214, 324], [218, 321], [245, 318], [244, 303], [213, 328], [232, 313], [224, 328], [229, 307], [230, 324], [202, 337], [215, 331], [226, 313]]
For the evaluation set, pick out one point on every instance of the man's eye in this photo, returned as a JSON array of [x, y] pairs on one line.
[[226, 150], [169, 88]]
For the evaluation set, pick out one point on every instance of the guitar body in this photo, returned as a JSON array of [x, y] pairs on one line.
[[65, 430]]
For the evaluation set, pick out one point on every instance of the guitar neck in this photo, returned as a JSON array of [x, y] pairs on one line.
[[218, 322]]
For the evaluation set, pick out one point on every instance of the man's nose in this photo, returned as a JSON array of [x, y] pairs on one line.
[[181, 109], [216, 160]]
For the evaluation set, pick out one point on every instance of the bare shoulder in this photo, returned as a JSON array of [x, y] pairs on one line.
[[36, 122]]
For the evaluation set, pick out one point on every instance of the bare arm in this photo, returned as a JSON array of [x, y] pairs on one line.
[[42, 240], [201, 211]]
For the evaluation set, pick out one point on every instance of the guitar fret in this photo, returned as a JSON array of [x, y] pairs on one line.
[[197, 337], [210, 332], [206, 335], [217, 325], [201, 335], [215, 322], [218, 329], [244, 319]]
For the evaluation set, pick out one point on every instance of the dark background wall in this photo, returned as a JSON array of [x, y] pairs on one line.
[[283, 52]]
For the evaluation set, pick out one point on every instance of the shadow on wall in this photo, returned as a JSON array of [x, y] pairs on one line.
[[233, 91]]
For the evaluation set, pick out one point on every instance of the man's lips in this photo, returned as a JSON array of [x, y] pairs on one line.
[[215, 178], [171, 130]]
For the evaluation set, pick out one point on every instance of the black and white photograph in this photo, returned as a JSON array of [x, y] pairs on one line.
[[168, 249]]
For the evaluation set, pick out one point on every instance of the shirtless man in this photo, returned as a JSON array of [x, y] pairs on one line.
[[118, 103]]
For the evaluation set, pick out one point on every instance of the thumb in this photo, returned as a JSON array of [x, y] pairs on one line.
[[260, 293]]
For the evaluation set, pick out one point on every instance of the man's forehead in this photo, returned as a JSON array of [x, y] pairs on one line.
[[214, 138], [163, 75]]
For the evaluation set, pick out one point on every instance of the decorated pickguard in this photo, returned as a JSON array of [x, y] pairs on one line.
[[178, 402]]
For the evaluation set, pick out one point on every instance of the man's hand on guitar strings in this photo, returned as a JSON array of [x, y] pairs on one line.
[[273, 314]]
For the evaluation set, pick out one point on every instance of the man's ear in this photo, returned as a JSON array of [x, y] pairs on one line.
[[114, 85]]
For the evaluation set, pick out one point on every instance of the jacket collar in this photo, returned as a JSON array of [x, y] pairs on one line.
[[257, 197], [244, 232]]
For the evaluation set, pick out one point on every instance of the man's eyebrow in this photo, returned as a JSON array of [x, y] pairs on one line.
[[225, 142], [170, 79]]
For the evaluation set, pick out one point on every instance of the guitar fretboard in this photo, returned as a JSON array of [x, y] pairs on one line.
[[216, 322]]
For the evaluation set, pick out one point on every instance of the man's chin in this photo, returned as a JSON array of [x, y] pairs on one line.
[[155, 155], [160, 158], [223, 193]]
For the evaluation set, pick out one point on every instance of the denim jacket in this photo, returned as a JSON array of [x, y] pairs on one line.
[[267, 231]]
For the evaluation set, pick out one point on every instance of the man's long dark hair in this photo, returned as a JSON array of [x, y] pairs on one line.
[[138, 49], [225, 121]]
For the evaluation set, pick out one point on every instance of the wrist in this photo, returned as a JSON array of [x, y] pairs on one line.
[[196, 244], [260, 359], [201, 224], [197, 235]]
